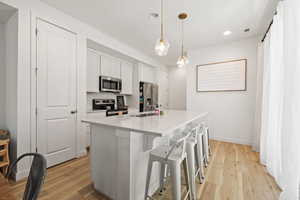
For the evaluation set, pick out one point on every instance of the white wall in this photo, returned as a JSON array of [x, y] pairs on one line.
[[231, 114], [2, 76], [11, 58], [162, 75], [177, 88]]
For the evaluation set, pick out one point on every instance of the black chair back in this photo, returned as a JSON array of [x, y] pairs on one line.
[[36, 175]]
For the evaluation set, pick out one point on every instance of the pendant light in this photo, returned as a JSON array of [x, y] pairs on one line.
[[183, 58], [162, 45]]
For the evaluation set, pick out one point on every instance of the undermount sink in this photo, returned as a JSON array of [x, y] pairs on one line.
[[144, 115]]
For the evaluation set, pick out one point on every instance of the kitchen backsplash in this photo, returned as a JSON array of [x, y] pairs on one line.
[[91, 96]]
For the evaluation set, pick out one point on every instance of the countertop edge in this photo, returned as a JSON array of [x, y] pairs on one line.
[[153, 133]]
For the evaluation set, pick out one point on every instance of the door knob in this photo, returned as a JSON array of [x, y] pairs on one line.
[[73, 111]]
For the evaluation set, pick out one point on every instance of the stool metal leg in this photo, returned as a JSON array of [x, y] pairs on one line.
[[198, 168], [186, 175], [187, 178], [162, 177], [191, 168], [200, 159], [149, 170], [206, 148], [176, 182], [204, 151], [209, 149]]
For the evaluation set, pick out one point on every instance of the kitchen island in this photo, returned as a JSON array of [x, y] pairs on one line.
[[120, 148]]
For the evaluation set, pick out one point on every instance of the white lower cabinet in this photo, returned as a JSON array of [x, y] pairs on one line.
[[127, 78]]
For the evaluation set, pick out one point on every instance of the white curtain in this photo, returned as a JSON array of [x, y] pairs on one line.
[[280, 135], [272, 97], [291, 107], [258, 101]]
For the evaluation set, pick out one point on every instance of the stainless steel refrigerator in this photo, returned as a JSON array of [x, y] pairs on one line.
[[148, 96]]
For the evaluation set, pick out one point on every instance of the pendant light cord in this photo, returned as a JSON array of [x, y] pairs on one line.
[[161, 22], [182, 30], [182, 38]]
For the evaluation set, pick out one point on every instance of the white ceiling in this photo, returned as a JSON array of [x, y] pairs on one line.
[[129, 21], [6, 12]]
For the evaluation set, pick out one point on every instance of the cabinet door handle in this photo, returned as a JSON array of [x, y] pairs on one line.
[[73, 111]]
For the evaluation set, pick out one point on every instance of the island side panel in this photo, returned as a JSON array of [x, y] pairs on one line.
[[104, 159], [119, 162], [115, 160], [124, 186]]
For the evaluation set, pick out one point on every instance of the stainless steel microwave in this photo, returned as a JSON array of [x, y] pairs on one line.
[[109, 84]]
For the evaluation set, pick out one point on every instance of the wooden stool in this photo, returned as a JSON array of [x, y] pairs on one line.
[[4, 152]]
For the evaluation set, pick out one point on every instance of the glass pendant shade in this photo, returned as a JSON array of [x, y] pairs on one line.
[[162, 47], [182, 61], [183, 58]]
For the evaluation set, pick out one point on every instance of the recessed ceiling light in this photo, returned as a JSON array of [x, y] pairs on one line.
[[226, 33]]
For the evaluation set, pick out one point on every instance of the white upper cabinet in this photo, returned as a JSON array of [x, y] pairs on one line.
[[110, 66], [127, 77], [99, 64], [93, 71], [147, 73]]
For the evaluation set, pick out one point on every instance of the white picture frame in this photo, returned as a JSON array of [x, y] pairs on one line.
[[222, 76]]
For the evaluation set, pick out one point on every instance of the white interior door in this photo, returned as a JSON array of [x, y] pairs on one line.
[[56, 93]]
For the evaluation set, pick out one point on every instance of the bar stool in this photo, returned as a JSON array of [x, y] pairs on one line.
[[195, 156], [172, 157]]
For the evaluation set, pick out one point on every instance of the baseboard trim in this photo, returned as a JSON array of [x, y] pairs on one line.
[[82, 153], [21, 175], [255, 148], [232, 140]]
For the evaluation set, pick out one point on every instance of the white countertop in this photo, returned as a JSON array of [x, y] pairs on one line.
[[155, 125]]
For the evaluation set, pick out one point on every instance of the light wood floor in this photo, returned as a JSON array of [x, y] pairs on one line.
[[233, 174]]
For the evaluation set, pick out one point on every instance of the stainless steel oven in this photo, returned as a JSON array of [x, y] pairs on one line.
[[109, 84], [103, 104]]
